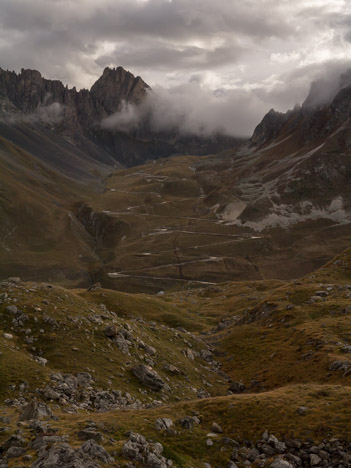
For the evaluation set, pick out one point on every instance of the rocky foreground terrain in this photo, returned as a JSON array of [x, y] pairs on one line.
[[233, 375]]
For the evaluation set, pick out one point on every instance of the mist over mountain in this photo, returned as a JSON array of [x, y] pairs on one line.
[[191, 109]]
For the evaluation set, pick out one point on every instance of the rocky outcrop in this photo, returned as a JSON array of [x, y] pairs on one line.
[[137, 448], [64, 456]]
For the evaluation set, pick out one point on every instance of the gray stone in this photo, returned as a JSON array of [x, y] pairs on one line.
[[171, 369], [35, 410], [96, 452], [315, 459], [44, 440], [216, 428], [163, 423], [14, 441], [64, 456], [154, 461], [188, 422], [15, 452], [188, 353], [88, 434], [148, 377], [280, 463]]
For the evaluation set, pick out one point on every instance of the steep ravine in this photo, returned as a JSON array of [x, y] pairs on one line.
[[105, 232]]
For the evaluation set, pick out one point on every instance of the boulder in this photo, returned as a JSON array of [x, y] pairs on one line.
[[35, 410], [96, 452], [163, 423], [148, 377], [216, 428]]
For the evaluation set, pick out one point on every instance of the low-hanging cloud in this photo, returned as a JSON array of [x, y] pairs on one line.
[[195, 109], [51, 113], [191, 109]]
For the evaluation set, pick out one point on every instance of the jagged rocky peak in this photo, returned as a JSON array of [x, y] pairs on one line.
[[117, 85], [268, 128]]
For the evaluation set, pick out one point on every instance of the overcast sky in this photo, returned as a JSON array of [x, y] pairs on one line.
[[255, 54]]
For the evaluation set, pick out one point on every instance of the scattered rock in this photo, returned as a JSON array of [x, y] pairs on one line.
[[148, 454]]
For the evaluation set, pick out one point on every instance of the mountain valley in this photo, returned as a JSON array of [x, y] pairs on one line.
[[166, 307]]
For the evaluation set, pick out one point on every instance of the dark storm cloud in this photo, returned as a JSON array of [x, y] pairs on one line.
[[65, 31], [263, 53]]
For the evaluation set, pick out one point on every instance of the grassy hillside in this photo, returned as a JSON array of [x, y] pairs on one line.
[[39, 236]]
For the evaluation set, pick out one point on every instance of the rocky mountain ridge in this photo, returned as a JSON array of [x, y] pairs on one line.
[[77, 116], [29, 92]]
